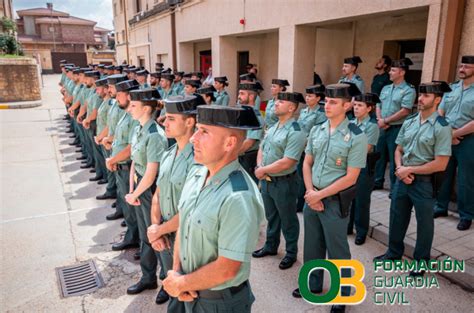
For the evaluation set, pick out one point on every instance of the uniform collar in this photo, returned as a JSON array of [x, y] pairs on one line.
[[342, 128], [401, 85], [364, 121], [288, 123], [147, 125], [187, 151], [431, 119], [222, 175]]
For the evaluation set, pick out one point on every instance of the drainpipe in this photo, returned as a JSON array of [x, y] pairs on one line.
[[126, 30], [173, 37]]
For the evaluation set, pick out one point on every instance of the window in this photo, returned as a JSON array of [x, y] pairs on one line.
[[115, 9], [123, 36], [138, 6], [121, 6]]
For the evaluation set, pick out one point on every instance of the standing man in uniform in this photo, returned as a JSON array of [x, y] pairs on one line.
[[458, 109], [222, 97], [396, 103], [278, 85], [382, 78], [349, 71], [335, 153], [221, 213], [277, 160], [142, 79], [423, 149]]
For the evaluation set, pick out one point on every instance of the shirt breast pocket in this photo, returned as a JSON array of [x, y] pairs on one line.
[[427, 140], [339, 154], [178, 179], [206, 224]]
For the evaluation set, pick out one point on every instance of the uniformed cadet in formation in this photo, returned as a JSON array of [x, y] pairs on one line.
[[207, 93], [142, 79], [120, 162], [364, 106], [155, 78], [310, 116], [396, 103], [220, 212], [278, 85], [251, 78], [423, 149], [191, 86], [335, 154], [174, 167], [221, 95], [457, 107], [382, 78], [349, 69], [248, 152], [178, 86], [277, 160]]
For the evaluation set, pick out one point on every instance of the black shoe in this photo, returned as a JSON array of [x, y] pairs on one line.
[[378, 187], [114, 205], [81, 158], [105, 197], [114, 216], [385, 257], [359, 240], [162, 296], [464, 224], [78, 150], [440, 214], [136, 255], [73, 136], [96, 178], [103, 181], [350, 231], [286, 263], [119, 246], [74, 143], [84, 161], [69, 131], [123, 224], [87, 165], [262, 252], [337, 308], [92, 170], [417, 273], [296, 293], [139, 287]]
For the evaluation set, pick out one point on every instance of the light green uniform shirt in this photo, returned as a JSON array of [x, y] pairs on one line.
[[148, 144], [178, 88], [394, 98], [144, 86], [165, 95], [221, 218], [93, 102], [334, 153], [115, 114], [174, 169], [258, 101], [422, 142], [285, 141], [222, 97], [356, 79], [77, 93], [270, 117], [370, 128], [256, 134], [310, 117], [123, 134], [458, 105], [103, 113]]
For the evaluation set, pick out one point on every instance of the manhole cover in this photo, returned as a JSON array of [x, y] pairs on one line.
[[79, 279]]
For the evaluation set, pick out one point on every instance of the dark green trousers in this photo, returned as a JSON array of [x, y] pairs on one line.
[[325, 232], [360, 207], [418, 194], [148, 260], [463, 160], [249, 162], [99, 160], [279, 199], [240, 302], [301, 188], [111, 188], [386, 146], [123, 183]]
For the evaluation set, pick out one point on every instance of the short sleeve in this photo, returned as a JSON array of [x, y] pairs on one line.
[[443, 141], [372, 134], [309, 145], [408, 99], [156, 147], [239, 222], [295, 145], [401, 134], [358, 152]]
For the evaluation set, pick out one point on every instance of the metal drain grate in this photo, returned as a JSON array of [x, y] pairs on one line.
[[79, 279]]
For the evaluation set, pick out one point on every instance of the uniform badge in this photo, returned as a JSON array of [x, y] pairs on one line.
[[338, 162], [347, 137]]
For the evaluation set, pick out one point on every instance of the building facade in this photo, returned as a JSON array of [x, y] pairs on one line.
[[294, 39], [49, 36]]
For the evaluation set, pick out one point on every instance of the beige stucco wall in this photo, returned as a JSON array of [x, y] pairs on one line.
[[467, 42]]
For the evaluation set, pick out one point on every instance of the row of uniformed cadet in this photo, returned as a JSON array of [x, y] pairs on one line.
[[330, 169]]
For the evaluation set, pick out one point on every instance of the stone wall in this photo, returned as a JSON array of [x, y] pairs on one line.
[[19, 80]]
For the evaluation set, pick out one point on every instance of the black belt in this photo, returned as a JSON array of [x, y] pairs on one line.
[[124, 167], [284, 177], [219, 294], [424, 178]]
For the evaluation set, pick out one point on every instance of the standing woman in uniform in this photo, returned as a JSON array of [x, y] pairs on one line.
[[148, 144], [364, 106], [174, 167], [278, 85]]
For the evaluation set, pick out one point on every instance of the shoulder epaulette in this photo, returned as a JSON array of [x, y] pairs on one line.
[[373, 119], [296, 126], [354, 128], [152, 129], [410, 85], [440, 119], [238, 182], [358, 77]]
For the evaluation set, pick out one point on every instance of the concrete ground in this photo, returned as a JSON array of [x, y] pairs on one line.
[[50, 218]]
